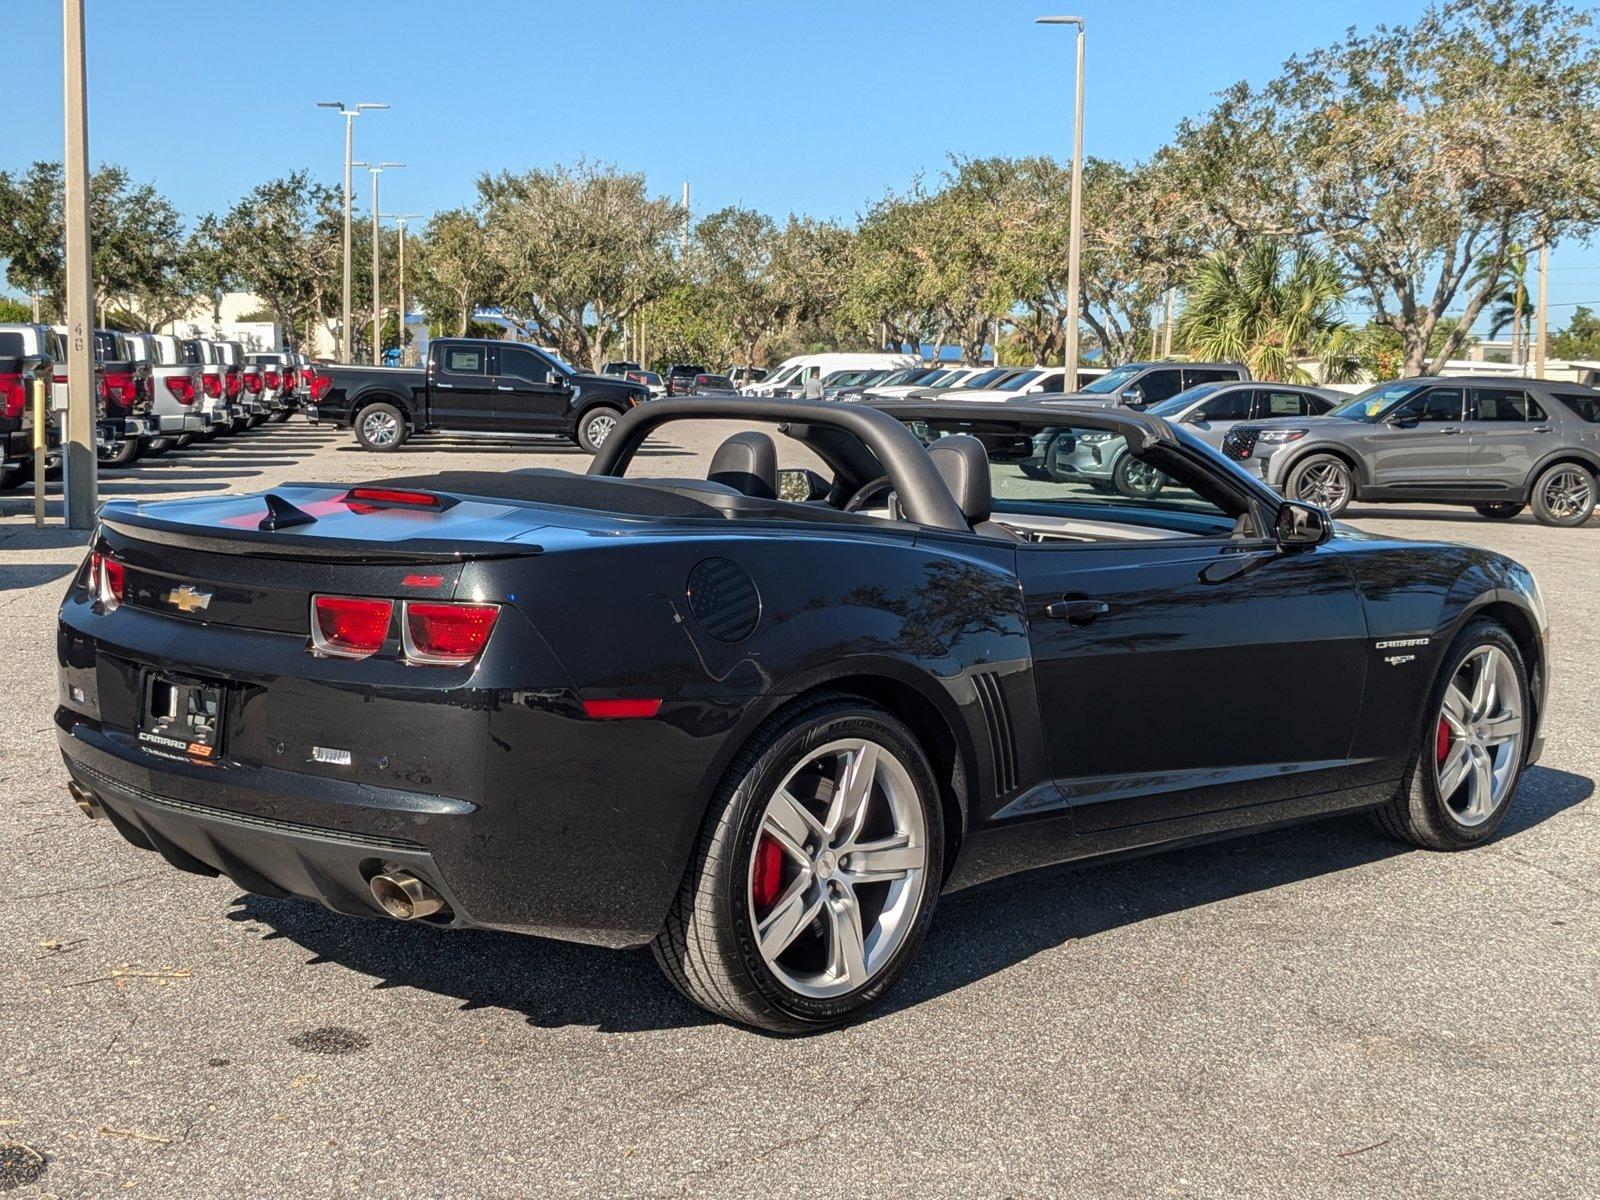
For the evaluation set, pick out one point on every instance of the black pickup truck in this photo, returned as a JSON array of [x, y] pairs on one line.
[[475, 386]]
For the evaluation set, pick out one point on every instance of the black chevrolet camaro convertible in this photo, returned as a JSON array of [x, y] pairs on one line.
[[761, 721]]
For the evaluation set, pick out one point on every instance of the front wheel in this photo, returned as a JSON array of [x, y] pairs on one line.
[[381, 427], [1564, 496], [1472, 746], [595, 426], [1136, 480], [814, 878], [1498, 512], [1323, 480]]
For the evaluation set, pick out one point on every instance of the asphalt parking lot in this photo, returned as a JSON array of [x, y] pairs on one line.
[[1310, 1012]]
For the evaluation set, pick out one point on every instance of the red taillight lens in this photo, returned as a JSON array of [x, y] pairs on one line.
[[123, 388], [13, 394], [447, 634], [358, 496], [320, 385], [235, 385], [108, 580], [349, 626], [181, 387], [213, 385], [616, 710], [252, 381], [272, 379], [307, 376]]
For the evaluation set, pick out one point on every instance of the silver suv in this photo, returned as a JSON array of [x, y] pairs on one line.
[[1498, 445]]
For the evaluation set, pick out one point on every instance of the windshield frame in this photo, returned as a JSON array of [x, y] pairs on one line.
[[1359, 407], [1114, 380]]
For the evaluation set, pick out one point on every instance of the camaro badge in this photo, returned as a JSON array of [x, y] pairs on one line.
[[188, 599]]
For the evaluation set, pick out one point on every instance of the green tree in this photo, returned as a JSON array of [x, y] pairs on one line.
[[281, 241], [1580, 339], [455, 272], [579, 251], [1419, 156], [1268, 307]]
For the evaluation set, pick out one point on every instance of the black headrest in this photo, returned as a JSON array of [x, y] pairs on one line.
[[963, 464], [748, 463]]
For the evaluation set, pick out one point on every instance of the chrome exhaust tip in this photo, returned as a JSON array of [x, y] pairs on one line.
[[405, 897], [88, 803]]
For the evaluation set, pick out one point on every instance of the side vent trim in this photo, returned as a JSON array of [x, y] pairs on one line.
[[997, 719]]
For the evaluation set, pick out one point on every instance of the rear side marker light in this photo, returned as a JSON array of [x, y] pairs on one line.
[[618, 710], [349, 626], [446, 634], [108, 580]]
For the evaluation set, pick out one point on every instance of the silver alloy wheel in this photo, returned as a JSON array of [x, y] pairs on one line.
[[598, 428], [1479, 740], [1326, 485], [1566, 492], [854, 862], [380, 428], [1143, 479]]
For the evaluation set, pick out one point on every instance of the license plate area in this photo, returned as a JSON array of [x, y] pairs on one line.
[[182, 717]]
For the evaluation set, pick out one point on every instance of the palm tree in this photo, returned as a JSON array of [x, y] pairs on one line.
[[1511, 305], [1269, 307]]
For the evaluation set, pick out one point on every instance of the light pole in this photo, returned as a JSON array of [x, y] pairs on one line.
[[349, 115], [376, 169], [1077, 207], [81, 465], [400, 222]]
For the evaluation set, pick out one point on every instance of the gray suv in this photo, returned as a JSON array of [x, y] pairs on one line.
[[1498, 445]]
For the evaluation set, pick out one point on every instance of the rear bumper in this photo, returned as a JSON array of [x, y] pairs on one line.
[[185, 422]]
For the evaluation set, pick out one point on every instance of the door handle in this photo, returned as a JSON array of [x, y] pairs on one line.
[[1077, 612], [1543, 429], [504, 387], [444, 385], [1452, 432]]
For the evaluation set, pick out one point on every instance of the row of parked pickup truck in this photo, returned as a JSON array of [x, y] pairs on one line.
[[152, 392]]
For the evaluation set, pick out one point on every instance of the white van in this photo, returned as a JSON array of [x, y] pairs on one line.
[[788, 375]]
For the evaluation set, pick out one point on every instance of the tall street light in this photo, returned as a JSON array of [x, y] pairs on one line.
[[349, 115], [81, 465], [376, 169], [1077, 206], [400, 220]]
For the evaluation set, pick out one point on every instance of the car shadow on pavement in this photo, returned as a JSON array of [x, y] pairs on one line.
[[975, 934]]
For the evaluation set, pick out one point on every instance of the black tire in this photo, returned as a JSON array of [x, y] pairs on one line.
[[16, 477], [1322, 479], [156, 447], [185, 440], [1564, 495], [707, 946], [595, 424], [1418, 814], [256, 420], [1498, 512], [381, 427], [282, 415], [1136, 480], [124, 456]]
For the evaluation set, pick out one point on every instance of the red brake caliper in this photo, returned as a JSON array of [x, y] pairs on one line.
[[767, 876], [1441, 743]]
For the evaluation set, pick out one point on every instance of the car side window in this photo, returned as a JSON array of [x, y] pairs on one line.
[[1282, 404], [524, 365], [1230, 406], [1434, 406], [466, 360], [1583, 405], [1160, 385], [1193, 376], [1500, 404]]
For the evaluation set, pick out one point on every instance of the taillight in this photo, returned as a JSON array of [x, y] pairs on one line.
[[124, 387], [356, 497], [213, 385], [320, 385], [446, 634], [108, 580], [349, 626], [181, 387], [13, 394], [235, 385], [272, 379], [307, 376], [252, 381]]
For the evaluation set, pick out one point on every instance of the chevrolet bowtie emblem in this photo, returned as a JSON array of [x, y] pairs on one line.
[[188, 599]]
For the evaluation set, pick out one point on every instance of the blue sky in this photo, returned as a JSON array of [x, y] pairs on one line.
[[812, 108]]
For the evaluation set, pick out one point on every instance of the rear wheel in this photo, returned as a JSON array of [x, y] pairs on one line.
[[815, 875], [595, 426], [119, 454], [1564, 495], [282, 415], [1136, 480], [1323, 480], [156, 447], [185, 440], [1498, 512], [1466, 767], [381, 427]]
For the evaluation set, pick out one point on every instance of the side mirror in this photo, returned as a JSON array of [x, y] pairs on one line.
[[1133, 397], [1299, 525], [1405, 421], [799, 485]]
